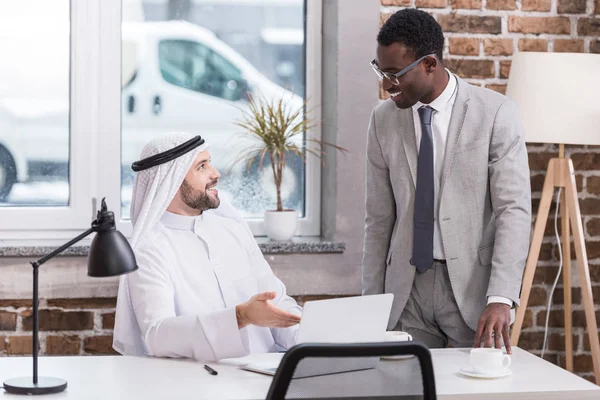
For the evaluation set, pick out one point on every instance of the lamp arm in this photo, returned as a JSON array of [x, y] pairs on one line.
[[64, 246]]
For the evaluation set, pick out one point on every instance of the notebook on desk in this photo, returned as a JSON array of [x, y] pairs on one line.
[[357, 319]]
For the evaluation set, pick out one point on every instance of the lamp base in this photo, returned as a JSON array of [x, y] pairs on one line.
[[25, 385]]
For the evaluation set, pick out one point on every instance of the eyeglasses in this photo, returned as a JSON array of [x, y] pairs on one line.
[[394, 78]]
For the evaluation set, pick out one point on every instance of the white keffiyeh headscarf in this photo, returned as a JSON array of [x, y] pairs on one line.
[[153, 191]]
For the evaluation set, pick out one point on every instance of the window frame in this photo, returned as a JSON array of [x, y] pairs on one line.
[[95, 132]]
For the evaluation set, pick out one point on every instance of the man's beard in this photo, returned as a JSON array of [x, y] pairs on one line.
[[197, 199]]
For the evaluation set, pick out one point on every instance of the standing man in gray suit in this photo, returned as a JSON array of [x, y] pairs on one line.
[[448, 202]]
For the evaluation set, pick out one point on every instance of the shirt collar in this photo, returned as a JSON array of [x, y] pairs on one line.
[[442, 100], [180, 222]]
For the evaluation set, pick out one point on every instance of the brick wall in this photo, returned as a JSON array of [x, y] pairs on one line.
[[481, 37], [67, 326]]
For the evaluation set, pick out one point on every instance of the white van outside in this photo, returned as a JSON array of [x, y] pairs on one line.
[[177, 76]]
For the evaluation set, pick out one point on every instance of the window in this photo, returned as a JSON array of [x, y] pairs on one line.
[[44, 179], [194, 64], [74, 113]]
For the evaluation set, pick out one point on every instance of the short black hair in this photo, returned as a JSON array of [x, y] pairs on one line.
[[416, 29]]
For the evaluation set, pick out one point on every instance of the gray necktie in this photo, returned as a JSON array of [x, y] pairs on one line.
[[423, 218]]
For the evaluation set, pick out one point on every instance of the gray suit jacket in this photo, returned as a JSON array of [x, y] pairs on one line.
[[485, 204]]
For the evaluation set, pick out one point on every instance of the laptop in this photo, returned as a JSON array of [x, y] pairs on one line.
[[359, 319]]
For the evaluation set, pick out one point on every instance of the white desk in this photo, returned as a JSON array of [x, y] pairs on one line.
[[116, 377]]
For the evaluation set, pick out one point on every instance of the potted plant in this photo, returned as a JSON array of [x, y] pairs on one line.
[[276, 129]]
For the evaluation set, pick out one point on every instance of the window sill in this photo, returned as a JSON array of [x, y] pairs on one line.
[[300, 244]]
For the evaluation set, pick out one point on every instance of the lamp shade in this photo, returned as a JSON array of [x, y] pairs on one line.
[[110, 255], [558, 96]]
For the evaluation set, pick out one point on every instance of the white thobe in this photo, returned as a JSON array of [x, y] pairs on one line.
[[193, 271]]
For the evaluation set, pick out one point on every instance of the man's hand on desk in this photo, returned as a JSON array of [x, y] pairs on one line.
[[260, 312], [495, 319]]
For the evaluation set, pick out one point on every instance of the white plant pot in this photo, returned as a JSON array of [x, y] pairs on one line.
[[281, 225]]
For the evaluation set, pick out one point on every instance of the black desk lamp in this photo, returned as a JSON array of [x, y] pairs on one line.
[[109, 255]]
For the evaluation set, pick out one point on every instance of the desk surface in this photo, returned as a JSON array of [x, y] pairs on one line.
[[116, 377]]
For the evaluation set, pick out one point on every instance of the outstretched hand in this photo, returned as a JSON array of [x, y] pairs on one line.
[[260, 312]]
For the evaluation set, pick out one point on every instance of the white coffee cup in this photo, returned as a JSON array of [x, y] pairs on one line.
[[397, 336], [489, 360]]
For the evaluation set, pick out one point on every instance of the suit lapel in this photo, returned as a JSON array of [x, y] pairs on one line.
[[459, 112], [409, 142]]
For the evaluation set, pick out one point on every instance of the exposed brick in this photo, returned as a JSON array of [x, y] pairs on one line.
[[537, 182], [431, 3], [469, 23], [556, 342], [586, 341], [595, 45], [571, 6], [466, 4], [595, 272], [8, 321], [383, 17], [546, 252], [496, 88], [19, 345], [568, 46], [537, 296], [464, 46], [526, 44], [593, 184], [597, 11], [590, 206], [552, 358], [559, 294], [383, 94], [556, 320], [56, 320], [95, 302], [588, 27], [528, 319], [501, 5], [581, 363], [545, 275], [108, 321], [555, 25], [16, 303], [579, 318], [536, 5], [395, 2], [99, 345], [586, 161], [539, 161], [531, 340], [2, 343], [65, 345], [471, 68], [505, 68], [498, 47], [593, 227]]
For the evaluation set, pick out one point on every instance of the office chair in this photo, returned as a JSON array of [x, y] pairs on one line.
[[355, 371]]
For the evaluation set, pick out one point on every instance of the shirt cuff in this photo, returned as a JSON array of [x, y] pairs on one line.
[[499, 299], [224, 336]]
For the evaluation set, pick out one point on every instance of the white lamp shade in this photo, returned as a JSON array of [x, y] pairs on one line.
[[558, 96]]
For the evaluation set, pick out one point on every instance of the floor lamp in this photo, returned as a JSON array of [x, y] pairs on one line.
[[558, 96]]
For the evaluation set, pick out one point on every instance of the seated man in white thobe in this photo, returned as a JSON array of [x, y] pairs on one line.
[[203, 289]]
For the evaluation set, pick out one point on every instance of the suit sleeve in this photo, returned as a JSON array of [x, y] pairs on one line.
[[380, 215], [510, 193]]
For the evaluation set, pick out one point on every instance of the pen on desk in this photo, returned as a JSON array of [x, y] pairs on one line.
[[210, 370]]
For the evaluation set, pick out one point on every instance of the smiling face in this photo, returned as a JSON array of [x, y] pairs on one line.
[[198, 192], [416, 84]]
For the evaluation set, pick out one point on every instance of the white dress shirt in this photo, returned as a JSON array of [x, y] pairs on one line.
[[440, 122], [193, 271]]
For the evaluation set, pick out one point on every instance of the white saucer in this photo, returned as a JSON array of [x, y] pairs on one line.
[[468, 371]]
